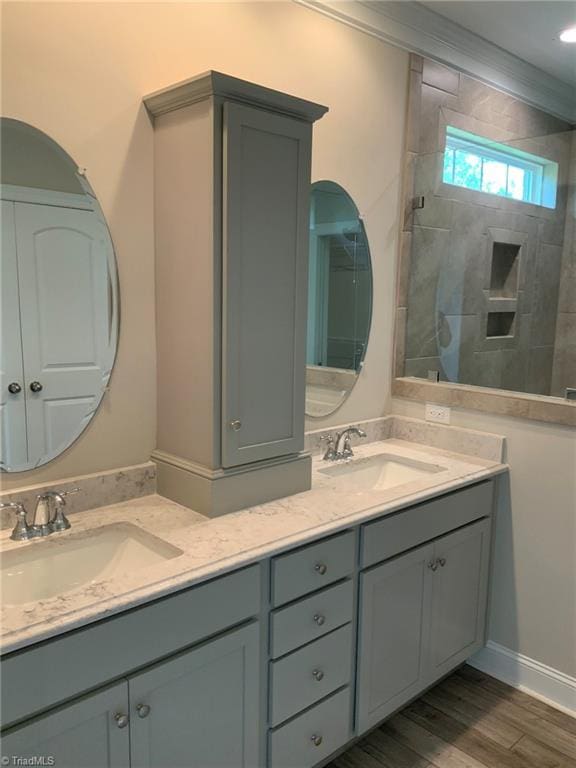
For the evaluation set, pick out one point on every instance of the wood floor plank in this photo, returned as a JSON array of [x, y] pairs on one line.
[[468, 740], [531, 750], [390, 752], [464, 712], [529, 723], [355, 757], [437, 751], [520, 698]]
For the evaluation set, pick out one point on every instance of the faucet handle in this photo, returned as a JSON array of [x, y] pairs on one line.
[[330, 452], [22, 530], [60, 522]]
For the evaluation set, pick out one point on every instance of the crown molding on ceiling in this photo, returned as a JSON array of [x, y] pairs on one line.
[[416, 28]]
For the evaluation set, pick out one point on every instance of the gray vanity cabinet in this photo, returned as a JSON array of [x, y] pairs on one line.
[[199, 709], [232, 166], [84, 734], [265, 274], [459, 595], [395, 600], [421, 614]]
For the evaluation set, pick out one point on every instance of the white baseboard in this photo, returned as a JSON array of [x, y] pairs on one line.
[[528, 675]]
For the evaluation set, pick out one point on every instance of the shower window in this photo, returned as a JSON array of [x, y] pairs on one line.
[[485, 166]]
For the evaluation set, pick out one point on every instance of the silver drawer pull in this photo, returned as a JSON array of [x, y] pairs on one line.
[[318, 675], [316, 739], [321, 568], [143, 710], [121, 720], [319, 619]]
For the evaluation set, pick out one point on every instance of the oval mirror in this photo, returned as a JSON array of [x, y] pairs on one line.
[[339, 298], [59, 292]]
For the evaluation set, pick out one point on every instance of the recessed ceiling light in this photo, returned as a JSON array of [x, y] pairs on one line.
[[568, 35]]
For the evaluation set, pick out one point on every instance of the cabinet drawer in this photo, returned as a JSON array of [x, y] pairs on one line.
[[314, 735], [44, 675], [310, 618], [312, 567], [307, 675], [411, 527]]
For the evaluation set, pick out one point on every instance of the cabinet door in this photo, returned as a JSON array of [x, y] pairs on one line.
[[265, 274], [459, 594], [201, 708], [13, 441], [394, 619], [84, 734]]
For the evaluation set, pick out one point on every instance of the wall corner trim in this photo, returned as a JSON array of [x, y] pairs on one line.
[[528, 675], [419, 29]]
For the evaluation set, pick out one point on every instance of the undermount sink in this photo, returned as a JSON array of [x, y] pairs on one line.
[[45, 569], [378, 473]]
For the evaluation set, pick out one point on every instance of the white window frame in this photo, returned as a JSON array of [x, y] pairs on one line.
[[543, 173]]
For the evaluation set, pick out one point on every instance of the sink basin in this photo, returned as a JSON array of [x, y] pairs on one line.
[[377, 473], [44, 569]]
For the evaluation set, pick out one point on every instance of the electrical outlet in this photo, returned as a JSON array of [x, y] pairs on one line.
[[438, 413]]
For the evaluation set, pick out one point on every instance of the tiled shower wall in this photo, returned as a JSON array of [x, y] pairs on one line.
[[454, 316]]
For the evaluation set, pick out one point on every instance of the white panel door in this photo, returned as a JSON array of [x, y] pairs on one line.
[[66, 324], [13, 444], [265, 282]]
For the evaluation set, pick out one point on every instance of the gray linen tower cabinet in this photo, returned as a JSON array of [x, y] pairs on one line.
[[232, 178]]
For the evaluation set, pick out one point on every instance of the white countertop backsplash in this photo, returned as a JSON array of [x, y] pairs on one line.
[[212, 547]]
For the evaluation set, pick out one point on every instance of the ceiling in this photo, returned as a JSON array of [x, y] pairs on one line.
[[527, 29]]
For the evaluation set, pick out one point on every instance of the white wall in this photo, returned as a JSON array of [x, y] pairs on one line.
[[78, 71]]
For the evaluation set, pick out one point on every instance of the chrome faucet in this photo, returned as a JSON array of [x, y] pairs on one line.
[[48, 516], [340, 447]]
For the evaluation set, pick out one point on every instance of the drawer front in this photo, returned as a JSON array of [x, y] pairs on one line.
[[308, 675], [411, 527], [314, 735], [310, 618], [39, 677], [312, 567]]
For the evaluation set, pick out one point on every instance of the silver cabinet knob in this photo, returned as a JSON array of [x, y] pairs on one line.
[[321, 568], [236, 425], [35, 386], [143, 710], [433, 565], [442, 562], [319, 619], [14, 388], [121, 720], [316, 739], [318, 675]]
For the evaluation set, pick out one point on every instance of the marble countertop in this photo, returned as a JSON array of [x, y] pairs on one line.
[[212, 547]]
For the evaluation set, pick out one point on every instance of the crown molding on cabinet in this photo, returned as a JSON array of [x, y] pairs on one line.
[[230, 88], [414, 27]]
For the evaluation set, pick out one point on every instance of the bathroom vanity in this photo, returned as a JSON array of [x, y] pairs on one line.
[[308, 641]]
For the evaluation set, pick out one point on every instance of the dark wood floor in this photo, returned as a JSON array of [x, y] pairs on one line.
[[469, 720]]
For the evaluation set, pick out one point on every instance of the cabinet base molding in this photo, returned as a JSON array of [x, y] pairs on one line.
[[215, 492], [528, 675]]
